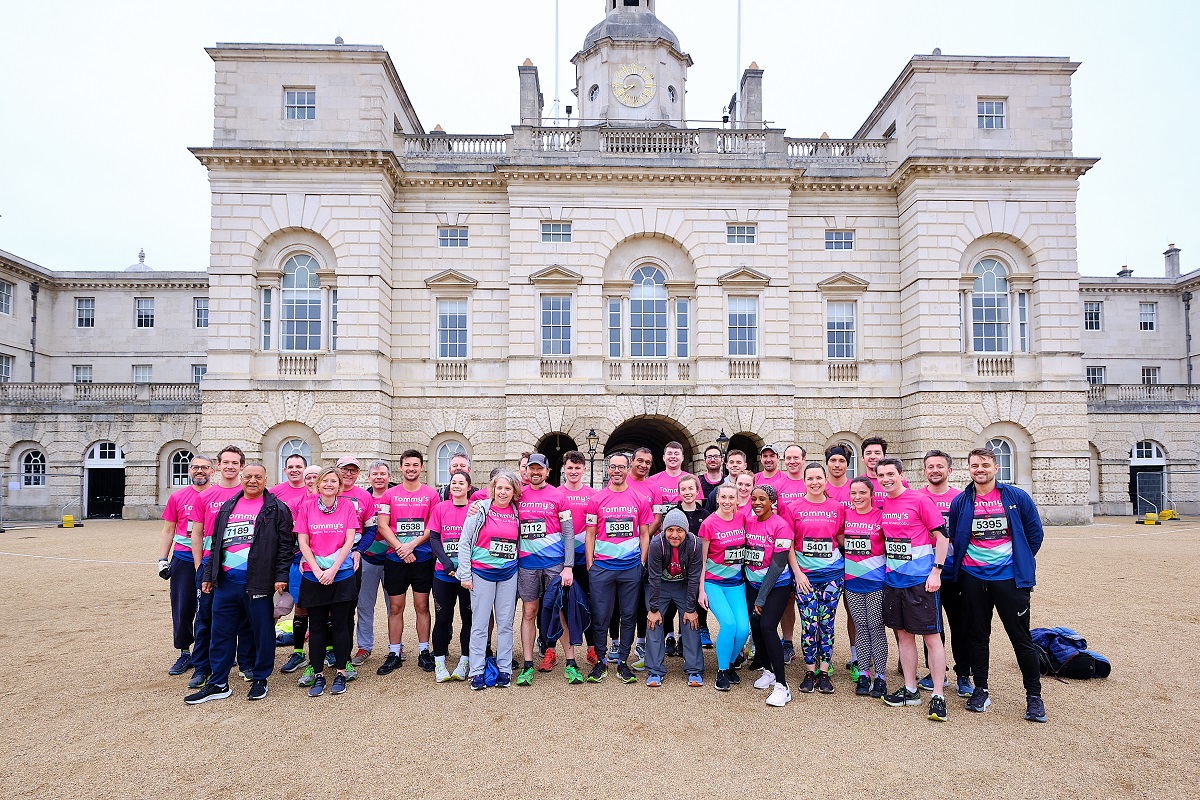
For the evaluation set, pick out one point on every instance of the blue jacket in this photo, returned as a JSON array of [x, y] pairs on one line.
[[573, 602], [1023, 522]]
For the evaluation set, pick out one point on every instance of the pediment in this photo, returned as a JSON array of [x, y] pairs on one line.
[[843, 283], [556, 275], [744, 277], [449, 281]]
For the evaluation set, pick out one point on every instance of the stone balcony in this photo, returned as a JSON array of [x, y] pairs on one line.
[[102, 397], [1134, 398]]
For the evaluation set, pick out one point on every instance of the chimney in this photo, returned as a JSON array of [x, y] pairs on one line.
[[1124, 272], [1172, 261], [751, 112], [531, 94]]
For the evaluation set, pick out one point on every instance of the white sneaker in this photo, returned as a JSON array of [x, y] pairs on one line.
[[766, 680], [780, 697], [462, 670], [440, 673]]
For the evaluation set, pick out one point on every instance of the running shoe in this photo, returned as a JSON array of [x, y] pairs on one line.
[[360, 656], [211, 691], [854, 670], [937, 708], [925, 684], [879, 687], [339, 684], [766, 680], [614, 651], [295, 661], [734, 678], [598, 673], [504, 681], [809, 684], [329, 660], [549, 660], [624, 674], [738, 662], [351, 672], [573, 675], [516, 664], [390, 664], [706, 639], [477, 683], [780, 696], [243, 676], [425, 660], [862, 687], [1035, 709], [440, 673], [639, 657], [902, 697], [654, 681], [722, 683], [525, 677], [592, 658], [964, 686], [199, 679], [182, 664], [258, 690], [789, 652], [980, 701], [670, 646], [462, 671], [695, 679], [307, 677], [824, 684], [318, 687]]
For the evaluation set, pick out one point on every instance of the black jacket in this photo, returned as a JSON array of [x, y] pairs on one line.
[[271, 551]]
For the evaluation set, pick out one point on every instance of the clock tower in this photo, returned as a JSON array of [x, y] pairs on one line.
[[631, 71]]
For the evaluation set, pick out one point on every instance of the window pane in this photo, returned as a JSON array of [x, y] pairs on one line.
[[648, 314], [682, 340], [6, 367], [445, 452], [741, 234], [990, 308], [556, 231], [840, 333], [6, 297], [144, 311], [201, 307], [743, 326], [556, 325], [181, 462], [452, 237], [293, 447], [1148, 316], [33, 468], [300, 305], [85, 312], [452, 329], [614, 328], [839, 240], [1004, 459], [1095, 375]]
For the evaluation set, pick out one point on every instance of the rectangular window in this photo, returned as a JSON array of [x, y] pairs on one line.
[[839, 331], [556, 231], [198, 372], [143, 373], [452, 237], [333, 319], [144, 311], [266, 319], [82, 373], [1148, 316], [300, 103], [556, 325], [6, 297], [200, 304], [741, 234], [614, 327], [6, 365], [1150, 375], [990, 113], [682, 328], [452, 328], [743, 326], [1093, 316], [1096, 376], [85, 312], [839, 240], [1023, 322]]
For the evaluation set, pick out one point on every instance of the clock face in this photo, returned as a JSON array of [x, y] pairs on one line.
[[633, 85]]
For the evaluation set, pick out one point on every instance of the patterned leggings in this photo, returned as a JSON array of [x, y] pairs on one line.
[[870, 638], [817, 610]]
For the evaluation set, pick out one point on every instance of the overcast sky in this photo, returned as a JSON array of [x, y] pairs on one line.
[[102, 100]]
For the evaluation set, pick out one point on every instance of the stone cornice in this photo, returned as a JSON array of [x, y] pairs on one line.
[[58, 281], [666, 173], [989, 166], [1130, 288], [218, 158]]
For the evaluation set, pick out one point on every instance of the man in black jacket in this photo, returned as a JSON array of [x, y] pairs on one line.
[[252, 547]]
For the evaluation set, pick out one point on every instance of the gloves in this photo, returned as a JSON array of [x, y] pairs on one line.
[[164, 569]]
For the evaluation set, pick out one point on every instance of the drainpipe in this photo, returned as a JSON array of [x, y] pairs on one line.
[[1187, 332], [33, 294]]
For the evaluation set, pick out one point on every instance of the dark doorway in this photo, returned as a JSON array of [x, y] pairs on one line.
[[105, 493], [652, 432], [554, 446], [749, 444], [1147, 489]]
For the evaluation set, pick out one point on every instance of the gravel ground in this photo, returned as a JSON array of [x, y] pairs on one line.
[[91, 712]]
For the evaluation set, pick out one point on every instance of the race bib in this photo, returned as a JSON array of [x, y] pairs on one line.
[[818, 548], [409, 528], [239, 532], [989, 528], [857, 545], [533, 529], [502, 549], [451, 547], [662, 508], [899, 549], [590, 519], [618, 528], [735, 555], [754, 556]]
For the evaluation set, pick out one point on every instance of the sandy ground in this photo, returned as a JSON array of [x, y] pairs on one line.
[[89, 710]]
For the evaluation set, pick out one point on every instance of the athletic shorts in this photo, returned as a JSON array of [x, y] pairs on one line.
[[400, 576], [912, 609], [532, 583], [294, 583]]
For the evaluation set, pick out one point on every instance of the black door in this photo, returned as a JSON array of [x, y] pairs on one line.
[[106, 493]]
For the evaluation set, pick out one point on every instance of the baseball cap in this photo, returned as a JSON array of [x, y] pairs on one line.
[[348, 461], [767, 447], [283, 604], [539, 459]]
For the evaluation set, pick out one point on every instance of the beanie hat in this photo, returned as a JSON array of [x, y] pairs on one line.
[[676, 518]]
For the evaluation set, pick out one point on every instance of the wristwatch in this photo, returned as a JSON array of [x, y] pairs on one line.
[[939, 567]]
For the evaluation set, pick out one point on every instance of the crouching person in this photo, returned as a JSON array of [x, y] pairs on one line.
[[674, 568], [252, 547]]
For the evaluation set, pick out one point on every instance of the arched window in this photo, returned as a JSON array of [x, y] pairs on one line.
[[1147, 453], [852, 466], [300, 312], [1003, 450], [104, 455], [648, 314], [181, 462], [33, 468], [445, 452], [990, 308], [293, 447]]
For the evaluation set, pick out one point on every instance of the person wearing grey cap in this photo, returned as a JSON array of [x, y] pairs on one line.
[[674, 567], [771, 474]]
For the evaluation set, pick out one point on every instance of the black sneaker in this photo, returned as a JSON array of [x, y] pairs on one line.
[[211, 691], [824, 685], [339, 684], [862, 687], [181, 664], [937, 708], [722, 683], [199, 679], [902, 697], [979, 701], [598, 673], [625, 674], [258, 690], [809, 683], [295, 661], [733, 677], [390, 664], [738, 662], [879, 687], [1035, 709], [425, 660], [318, 687], [670, 647]]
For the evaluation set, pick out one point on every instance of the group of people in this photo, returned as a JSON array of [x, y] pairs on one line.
[[624, 561]]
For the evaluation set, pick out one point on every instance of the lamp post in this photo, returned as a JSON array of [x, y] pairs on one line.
[[593, 440], [723, 443]]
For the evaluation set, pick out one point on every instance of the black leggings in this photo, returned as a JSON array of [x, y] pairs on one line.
[[764, 628], [669, 619], [979, 597], [445, 595], [951, 601], [328, 621]]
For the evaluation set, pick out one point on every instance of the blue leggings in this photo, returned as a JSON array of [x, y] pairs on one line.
[[728, 605]]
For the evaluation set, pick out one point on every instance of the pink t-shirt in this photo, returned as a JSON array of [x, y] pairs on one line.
[[668, 489], [943, 501], [447, 521], [839, 493], [326, 533], [577, 500], [817, 526], [790, 490], [726, 548], [907, 522], [880, 494], [179, 510], [290, 496], [409, 517], [763, 540], [618, 517], [863, 548], [205, 512], [494, 557], [775, 481]]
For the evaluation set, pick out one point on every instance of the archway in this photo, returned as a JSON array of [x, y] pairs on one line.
[[652, 432], [1147, 477], [104, 466], [554, 446]]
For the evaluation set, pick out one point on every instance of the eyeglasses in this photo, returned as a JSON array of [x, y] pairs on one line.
[[200, 468], [617, 468]]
